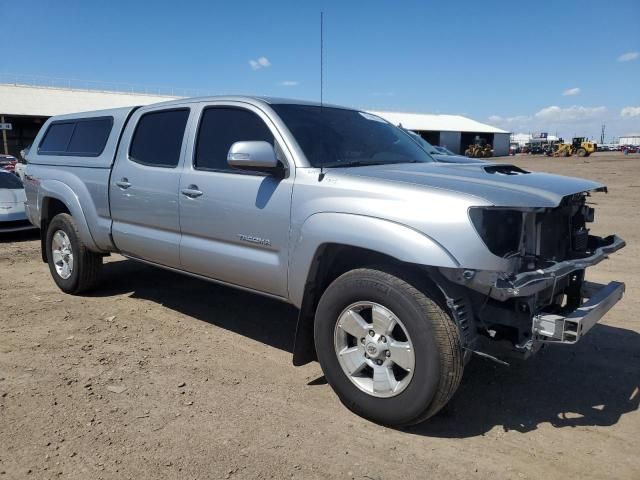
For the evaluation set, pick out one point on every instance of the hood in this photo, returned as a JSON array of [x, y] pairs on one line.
[[12, 195], [443, 158], [499, 184]]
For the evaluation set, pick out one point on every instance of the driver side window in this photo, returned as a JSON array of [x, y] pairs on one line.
[[221, 127]]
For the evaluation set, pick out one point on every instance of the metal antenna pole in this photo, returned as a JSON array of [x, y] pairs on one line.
[[321, 57], [321, 176]]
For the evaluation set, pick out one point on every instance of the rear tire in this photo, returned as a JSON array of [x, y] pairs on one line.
[[582, 152], [74, 268], [430, 332]]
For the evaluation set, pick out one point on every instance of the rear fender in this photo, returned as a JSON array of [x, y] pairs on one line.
[[62, 192]]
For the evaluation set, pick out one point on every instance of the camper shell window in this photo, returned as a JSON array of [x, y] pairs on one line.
[[85, 137]]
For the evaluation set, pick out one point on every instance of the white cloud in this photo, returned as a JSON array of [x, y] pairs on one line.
[[630, 112], [571, 91], [262, 62], [506, 121], [574, 121], [290, 83], [575, 113], [629, 56]]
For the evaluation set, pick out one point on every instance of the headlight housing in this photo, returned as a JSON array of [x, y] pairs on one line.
[[499, 228]]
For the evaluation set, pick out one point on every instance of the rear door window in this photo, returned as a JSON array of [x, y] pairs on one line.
[[157, 140]]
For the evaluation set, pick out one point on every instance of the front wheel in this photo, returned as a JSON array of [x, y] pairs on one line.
[[73, 266], [389, 351]]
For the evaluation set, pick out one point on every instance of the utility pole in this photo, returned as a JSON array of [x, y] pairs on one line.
[[602, 134], [4, 137]]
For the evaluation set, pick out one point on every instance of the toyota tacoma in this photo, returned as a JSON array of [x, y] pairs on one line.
[[401, 267]]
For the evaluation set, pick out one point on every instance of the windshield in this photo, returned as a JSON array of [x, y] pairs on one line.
[[444, 151], [431, 150], [9, 180], [337, 137]]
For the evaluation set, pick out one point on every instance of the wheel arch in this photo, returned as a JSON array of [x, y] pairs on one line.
[[356, 242], [55, 197], [49, 208]]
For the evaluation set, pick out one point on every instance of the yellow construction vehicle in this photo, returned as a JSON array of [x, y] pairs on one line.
[[578, 146], [480, 149]]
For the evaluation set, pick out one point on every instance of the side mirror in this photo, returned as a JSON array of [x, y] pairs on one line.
[[257, 156]]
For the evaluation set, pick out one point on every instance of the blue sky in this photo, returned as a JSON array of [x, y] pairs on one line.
[[565, 66]]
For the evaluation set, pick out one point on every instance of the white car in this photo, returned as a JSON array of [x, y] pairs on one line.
[[12, 197]]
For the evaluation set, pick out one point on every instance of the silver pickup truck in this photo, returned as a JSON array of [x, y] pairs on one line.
[[401, 266]]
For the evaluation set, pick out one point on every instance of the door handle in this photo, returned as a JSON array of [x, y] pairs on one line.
[[191, 191], [123, 183]]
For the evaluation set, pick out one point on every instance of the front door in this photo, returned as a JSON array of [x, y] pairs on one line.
[[144, 186], [235, 225]]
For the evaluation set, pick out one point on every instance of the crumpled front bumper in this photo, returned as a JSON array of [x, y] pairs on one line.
[[503, 287], [533, 291], [553, 328], [529, 283]]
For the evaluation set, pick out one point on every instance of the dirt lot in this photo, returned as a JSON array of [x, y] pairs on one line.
[[162, 376]]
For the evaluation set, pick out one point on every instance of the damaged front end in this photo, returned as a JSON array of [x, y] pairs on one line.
[[542, 297]]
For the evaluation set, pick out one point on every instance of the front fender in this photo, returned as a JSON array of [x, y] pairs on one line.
[[62, 192], [382, 236]]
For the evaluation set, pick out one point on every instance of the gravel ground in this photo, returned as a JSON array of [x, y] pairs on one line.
[[157, 375]]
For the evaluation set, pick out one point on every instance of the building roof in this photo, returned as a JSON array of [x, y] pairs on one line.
[[47, 101], [19, 99], [434, 122]]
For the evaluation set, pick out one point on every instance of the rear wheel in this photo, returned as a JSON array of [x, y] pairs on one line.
[[73, 266], [582, 152], [389, 351]]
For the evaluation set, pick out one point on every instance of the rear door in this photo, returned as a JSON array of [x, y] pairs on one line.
[[235, 224], [145, 182]]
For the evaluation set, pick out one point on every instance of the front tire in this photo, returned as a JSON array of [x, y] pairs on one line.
[[389, 351], [74, 267]]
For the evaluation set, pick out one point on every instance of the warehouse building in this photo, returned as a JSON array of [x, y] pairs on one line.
[[24, 108], [454, 132], [631, 139], [523, 138]]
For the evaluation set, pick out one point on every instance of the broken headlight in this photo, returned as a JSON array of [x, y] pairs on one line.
[[499, 228]]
